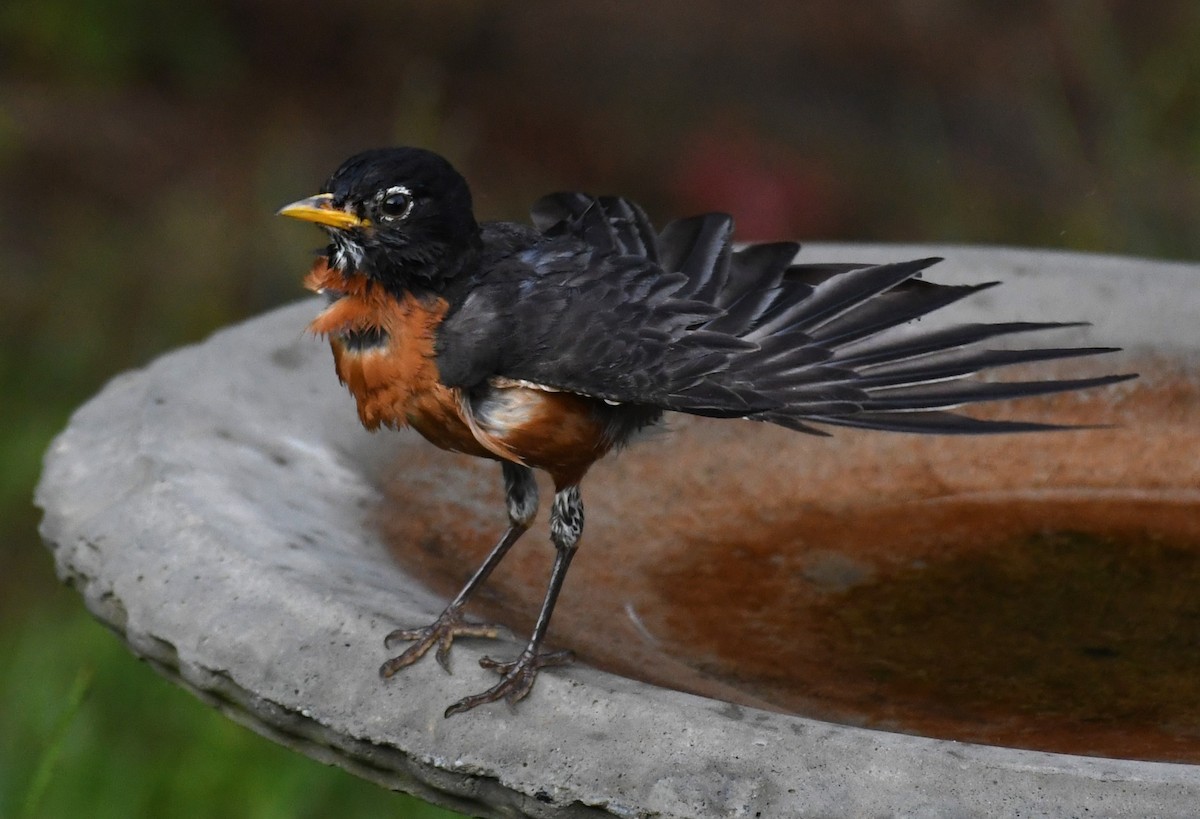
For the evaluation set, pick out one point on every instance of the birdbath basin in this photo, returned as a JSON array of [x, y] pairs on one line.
[[768, 623]]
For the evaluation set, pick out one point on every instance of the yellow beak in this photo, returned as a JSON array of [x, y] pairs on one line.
[[320, 209]]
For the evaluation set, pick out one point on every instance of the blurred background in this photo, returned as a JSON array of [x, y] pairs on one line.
[[144, 147]]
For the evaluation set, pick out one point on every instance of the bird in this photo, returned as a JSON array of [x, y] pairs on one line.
[[546, 346]]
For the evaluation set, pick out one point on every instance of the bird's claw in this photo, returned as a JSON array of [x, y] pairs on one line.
[[440, 633], [516, 681]]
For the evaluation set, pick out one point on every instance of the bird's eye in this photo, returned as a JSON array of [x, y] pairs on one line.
[[395, 203]]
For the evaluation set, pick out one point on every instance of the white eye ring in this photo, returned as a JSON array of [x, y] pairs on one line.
[[394, 203]]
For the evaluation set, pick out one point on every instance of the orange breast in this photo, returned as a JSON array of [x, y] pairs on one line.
[[395, 383]]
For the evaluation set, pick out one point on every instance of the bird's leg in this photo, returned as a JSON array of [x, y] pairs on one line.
[[517, 676], [521, 497]]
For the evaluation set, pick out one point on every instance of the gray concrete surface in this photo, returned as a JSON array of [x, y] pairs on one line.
[[209, 508]]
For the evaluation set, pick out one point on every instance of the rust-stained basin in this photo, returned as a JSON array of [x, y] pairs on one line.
[[1020, 614], [1039, 591]]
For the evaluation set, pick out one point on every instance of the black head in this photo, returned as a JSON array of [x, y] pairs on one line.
[[401, 216]]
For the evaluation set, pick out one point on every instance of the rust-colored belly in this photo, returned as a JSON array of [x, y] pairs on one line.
[[560, 432]]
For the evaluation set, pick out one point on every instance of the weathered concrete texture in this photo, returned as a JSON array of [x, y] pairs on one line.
[[210, 509]]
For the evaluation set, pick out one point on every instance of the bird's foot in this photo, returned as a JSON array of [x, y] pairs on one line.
[[441, 633], [517, 678]]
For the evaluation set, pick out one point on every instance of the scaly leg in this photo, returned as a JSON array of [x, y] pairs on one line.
[[520, 491], [517, 676]]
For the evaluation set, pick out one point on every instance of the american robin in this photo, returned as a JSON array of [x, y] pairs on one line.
[[549, 346]]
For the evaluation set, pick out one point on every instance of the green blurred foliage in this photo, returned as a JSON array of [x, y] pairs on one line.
[[109, 43], [107, 738]]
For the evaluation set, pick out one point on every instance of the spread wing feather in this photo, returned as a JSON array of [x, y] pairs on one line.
[[595, 302]]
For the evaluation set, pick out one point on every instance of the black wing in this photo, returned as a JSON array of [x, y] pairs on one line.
[[595, 302]]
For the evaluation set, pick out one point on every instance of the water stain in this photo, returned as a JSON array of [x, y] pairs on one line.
[[1059, 640], [1065, 640]]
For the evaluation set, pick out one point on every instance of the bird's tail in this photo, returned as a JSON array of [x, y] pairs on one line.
[[870, 366]]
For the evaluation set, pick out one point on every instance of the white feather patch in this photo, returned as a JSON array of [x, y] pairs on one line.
[[500, 382]]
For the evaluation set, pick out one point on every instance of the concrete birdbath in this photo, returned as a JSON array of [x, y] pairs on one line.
[[769, 624]]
